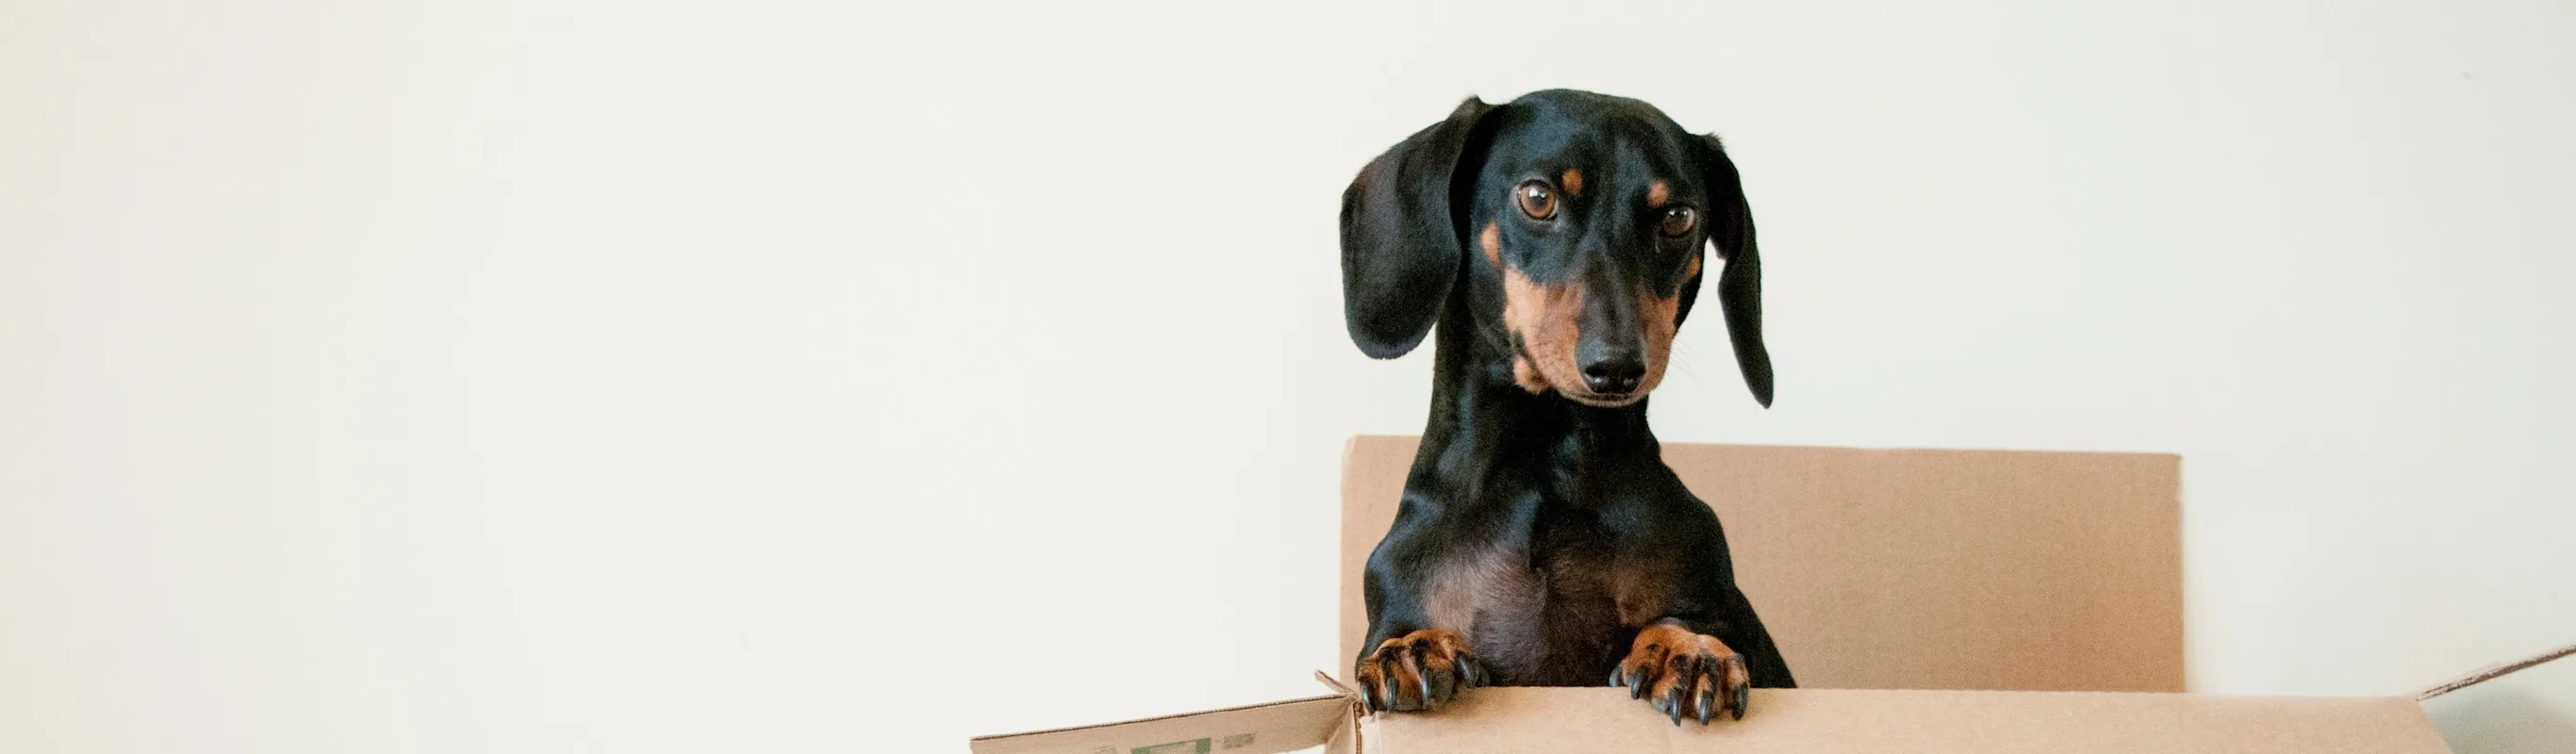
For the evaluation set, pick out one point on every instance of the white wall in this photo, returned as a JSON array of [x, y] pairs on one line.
[[682, 377]]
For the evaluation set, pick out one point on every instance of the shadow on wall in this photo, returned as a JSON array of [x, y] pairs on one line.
[[2503, 718]]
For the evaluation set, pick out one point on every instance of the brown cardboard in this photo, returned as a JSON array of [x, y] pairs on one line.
[[1809, 721], [1911, 569], [2495, 671], [2060, 554], [1847, 721], [1271, 728]]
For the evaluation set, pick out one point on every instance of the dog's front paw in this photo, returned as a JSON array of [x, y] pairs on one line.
[[1417, 671], [1677, 670]]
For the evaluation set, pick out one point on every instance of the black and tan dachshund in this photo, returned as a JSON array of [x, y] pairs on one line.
[[1557, 241]]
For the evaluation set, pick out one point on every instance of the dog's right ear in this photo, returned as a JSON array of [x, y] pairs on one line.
[[1401, 246]]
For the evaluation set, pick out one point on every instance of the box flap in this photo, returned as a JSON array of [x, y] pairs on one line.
[[1842, 721], [1257, 729], [2495, 671], [1911, 569]]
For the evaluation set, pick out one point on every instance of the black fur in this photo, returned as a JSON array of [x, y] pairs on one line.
[[1558, 519]]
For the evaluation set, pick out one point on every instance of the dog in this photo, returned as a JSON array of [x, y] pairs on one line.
[[1558, 241]]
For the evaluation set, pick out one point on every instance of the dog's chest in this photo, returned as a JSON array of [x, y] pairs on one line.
[[1539, 604]]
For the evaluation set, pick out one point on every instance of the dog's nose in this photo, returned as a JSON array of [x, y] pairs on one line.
[[1614, 373]]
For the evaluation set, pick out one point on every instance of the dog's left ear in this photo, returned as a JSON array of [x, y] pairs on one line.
[[1739, 289], [1401, 245]]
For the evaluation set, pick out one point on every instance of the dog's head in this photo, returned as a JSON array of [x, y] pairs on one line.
[[1578, 224]]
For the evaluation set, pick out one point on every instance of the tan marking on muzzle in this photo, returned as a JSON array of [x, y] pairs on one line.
[[1492, 241], [1525, 375], [1663, 318], [1544, 318]]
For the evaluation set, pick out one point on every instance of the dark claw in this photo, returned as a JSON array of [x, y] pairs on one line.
[[1637, 683], [1618, 678], [1707, 699], [1437, 687], [1741, 692], [1421, 680], [1677, 703]]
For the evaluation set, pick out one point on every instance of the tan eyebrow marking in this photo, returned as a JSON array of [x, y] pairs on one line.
[[1572, 181], [1657, 193]]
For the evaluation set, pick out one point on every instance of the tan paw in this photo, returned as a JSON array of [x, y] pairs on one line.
[[1417, 671], [1684, 674]]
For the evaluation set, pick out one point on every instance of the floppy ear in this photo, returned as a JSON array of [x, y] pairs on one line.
[[1401, 247], [1739, 289]]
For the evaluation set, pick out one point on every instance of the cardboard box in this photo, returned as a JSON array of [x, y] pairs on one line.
[[1910, 569], [1929, 600]]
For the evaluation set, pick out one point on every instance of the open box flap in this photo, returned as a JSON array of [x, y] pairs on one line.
[[1515, 720], [2495, 671], [2055, 572], [1257, 729], [1851, 721], [1524, 720]]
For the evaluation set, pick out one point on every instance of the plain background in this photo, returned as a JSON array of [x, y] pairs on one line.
[[614, 376]]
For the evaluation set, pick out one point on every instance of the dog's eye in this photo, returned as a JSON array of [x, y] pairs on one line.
[[1537, 200], [1678, 221]]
